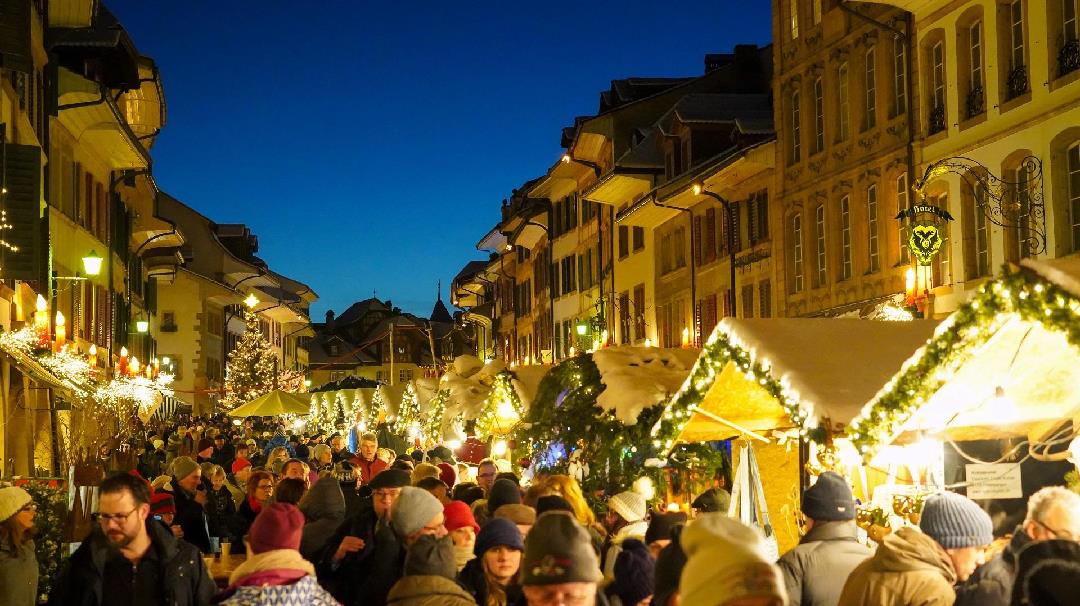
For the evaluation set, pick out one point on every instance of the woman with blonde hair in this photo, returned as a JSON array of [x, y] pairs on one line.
[[569, 489], [18, 564]]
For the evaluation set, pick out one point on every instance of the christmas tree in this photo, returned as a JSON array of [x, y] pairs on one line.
[[251, 368]]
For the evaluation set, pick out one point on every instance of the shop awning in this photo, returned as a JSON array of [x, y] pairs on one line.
[[88, 111], [1004, 364], [755, 374]]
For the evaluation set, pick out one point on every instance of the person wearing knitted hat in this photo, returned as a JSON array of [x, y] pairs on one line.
[[669, 566], [727, 564], [241, 470], [436, 487], [913, 567], [522, 516], [462, 527], [163, 509], [424, 470], [492, 578], [815, 570], [447, 474], [274, 571], [658, 535], [18, 562], [415, 514], [1052, 513], [204, 451], [503, 492], [1047, 573], [429, 576], [191, 499], [625, 520], [559, 565], [634, 576]]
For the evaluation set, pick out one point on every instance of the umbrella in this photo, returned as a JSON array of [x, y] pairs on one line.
[[275, 403]]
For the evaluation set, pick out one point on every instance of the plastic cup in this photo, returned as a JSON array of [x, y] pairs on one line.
[[226, 549]]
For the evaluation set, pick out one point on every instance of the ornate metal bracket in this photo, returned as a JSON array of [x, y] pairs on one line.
[[1001, 201]]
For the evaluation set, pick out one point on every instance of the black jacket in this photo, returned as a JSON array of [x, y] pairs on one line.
[[186, 580], [192, 518], [220, 511], [992, 583], [363, 578]]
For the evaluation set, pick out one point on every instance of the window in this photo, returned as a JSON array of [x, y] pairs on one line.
[[624, 241], [819, 233], [1074, 194], [871, 88], [819, 115], [845, 237], [214, 323], [708, 245], [638, 234], [568, 269], [942, 263], [679, 242], [899, 76], [748, 301], [793, 8], [405, 375], [815, 6], [902, 205], [797, 254], [982, 239], [624, 318], [1016, 33], [1018, 237], [796, 134], [1068, 19], [842, 100], [168, 321], [639, 312], [975, 44], [872, 228], [764, 299], [937, 88]]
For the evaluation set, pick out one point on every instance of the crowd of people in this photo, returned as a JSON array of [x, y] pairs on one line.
[[323, 525]]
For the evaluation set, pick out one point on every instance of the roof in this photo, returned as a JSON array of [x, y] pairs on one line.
[[628, 90], [358, 309], [646, 154], [440, 314], [751, 113], [471, 269]]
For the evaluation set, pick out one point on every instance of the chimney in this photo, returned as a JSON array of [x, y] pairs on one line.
[[330, 319]]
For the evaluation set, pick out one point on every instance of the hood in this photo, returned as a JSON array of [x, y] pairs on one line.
[[426, 586], [324, 500], [908, 549]]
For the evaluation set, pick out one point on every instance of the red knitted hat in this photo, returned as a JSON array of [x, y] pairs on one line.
[[447, 474], [239, 464], [161, 503], [278, 526], [459, 515]]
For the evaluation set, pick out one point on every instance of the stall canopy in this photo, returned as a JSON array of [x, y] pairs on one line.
[[757, 375], [1004, 364], [275, 403]]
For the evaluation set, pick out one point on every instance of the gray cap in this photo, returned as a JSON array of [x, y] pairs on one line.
[[413, 510], [558, 550]]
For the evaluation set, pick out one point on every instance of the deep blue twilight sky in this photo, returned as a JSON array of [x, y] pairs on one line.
[[369, 144]]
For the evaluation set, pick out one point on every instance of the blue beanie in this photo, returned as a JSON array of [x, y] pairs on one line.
[[829, 499], [634, 572], [955, 521], [498, 532]]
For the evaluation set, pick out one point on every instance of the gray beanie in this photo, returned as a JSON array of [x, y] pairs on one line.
[[320, 449], [431, 556], [829, 499], [413, 510], [558, 550], [955, 521], [183, 467]]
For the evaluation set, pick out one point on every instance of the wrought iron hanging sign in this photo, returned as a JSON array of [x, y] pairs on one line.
[[925, 236]]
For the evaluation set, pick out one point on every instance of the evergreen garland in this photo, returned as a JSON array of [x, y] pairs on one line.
[[492, 416], [250, 371], [51, 499]]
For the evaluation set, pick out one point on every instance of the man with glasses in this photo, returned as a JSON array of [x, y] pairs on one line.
[[191, 498], [1053, 513], [485, 475], [361, 558], [129, 560]]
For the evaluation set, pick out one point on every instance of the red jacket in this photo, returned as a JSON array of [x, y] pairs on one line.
[[368, 469]]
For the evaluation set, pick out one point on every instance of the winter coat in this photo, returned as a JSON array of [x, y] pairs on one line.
[[363, 578], [475, 583], [184, 576], [815, 570], [992, 583], [275, 578], [369, 469], [324, 509], [192, 518], [245, 516], [220, 511], [18, 573], [633, 530], [428, 590], [908, 568]]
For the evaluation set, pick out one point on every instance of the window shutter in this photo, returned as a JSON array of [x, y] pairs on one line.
[[710, 234], [22, 178], [697, 241], [15, 51]]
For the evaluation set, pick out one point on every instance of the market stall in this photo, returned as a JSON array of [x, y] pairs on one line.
[[779, 383], [995, 393]]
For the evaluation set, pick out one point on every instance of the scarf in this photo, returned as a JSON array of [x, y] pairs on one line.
[[282, 563], [463, 554], [254, 505]]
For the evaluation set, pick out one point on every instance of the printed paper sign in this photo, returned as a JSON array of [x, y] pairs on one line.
[[999, 481]]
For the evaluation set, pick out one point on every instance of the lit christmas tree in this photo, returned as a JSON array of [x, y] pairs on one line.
[[250, 371]]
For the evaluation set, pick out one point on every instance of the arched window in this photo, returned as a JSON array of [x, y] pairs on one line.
[[1073, 159]]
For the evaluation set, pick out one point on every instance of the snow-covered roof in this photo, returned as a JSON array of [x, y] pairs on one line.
[[636, 378], [1065, 272]]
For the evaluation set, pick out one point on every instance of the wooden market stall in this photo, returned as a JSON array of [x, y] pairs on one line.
[[1004, 368], [780, 382]]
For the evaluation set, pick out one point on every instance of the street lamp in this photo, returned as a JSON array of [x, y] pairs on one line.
[[142, 325], [92, 263], [699, 190]]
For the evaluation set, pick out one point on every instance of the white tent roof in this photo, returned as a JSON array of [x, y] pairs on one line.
[[1064, 272]]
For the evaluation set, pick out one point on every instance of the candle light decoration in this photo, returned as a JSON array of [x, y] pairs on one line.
[[41, 323], [61, 331]]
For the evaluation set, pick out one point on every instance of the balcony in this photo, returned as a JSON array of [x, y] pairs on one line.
[[976, 102], [1016, 84], [937, 120], [1069, 57]]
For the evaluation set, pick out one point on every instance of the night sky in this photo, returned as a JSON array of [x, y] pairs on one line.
[[369, 147]]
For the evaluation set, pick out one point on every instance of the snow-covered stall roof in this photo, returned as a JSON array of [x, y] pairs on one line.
[[636, 378], [764, 374], [1006, 363]]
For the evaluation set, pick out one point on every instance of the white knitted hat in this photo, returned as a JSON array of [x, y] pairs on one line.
[[12, 499], [630, 505]]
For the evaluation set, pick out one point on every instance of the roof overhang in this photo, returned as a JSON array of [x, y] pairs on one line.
[[915, 7], [561, 180], [620, 186], [493, 240], [88, 111], [144, 107], [647, 213], [71, 13], [102, 48]]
